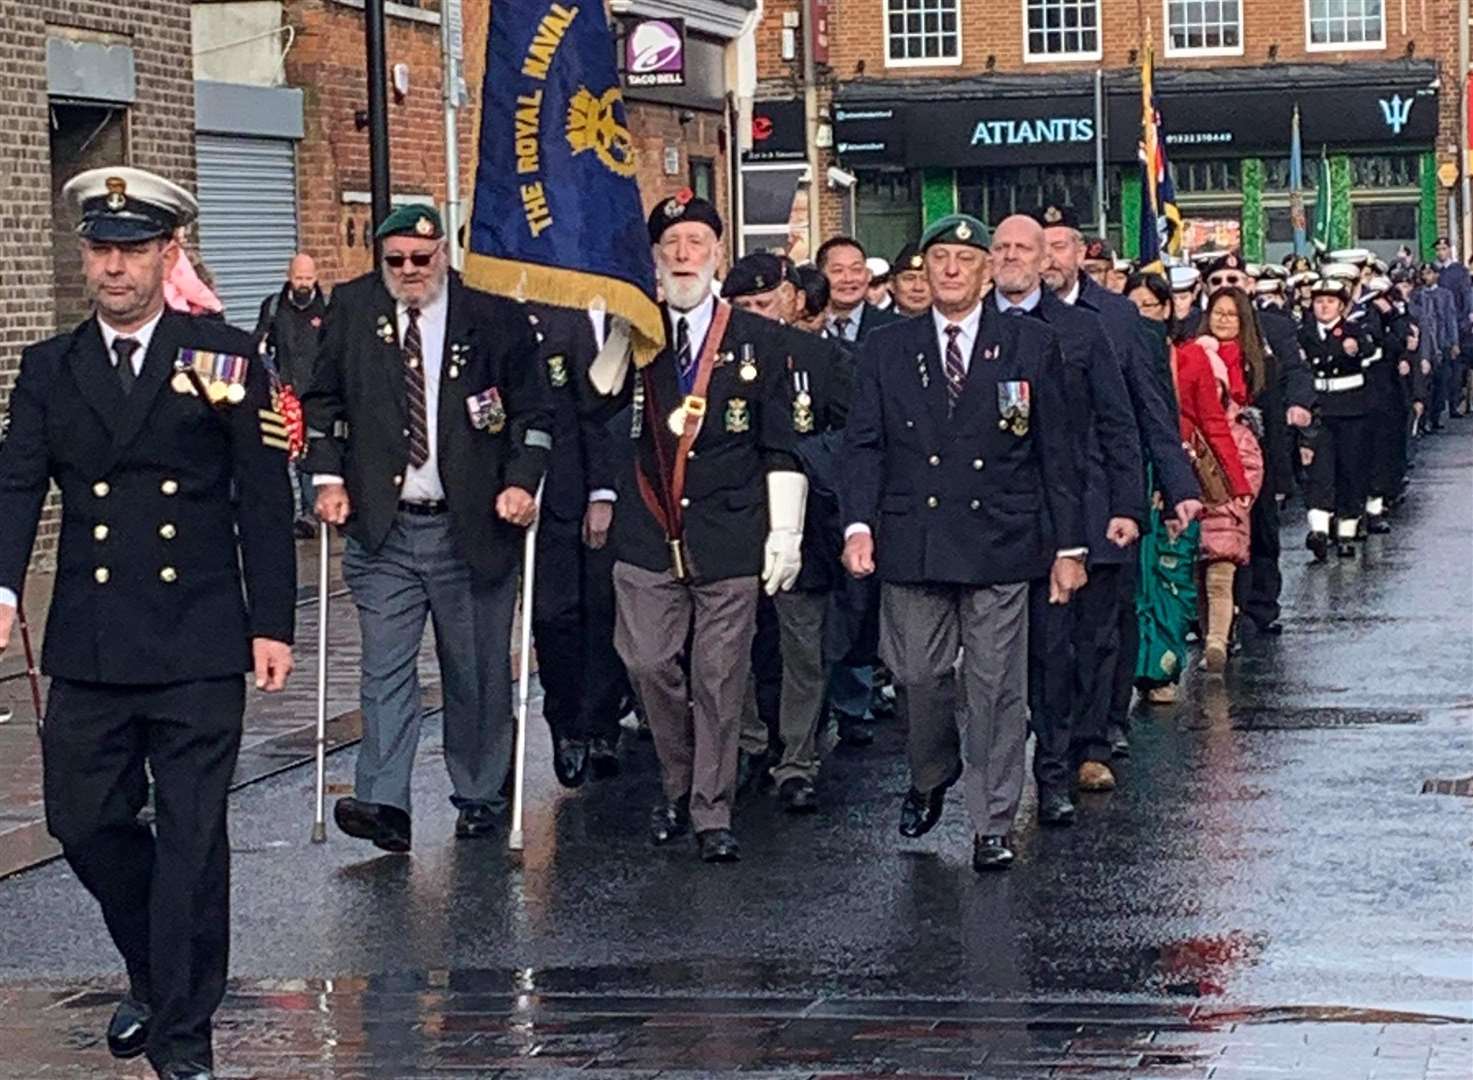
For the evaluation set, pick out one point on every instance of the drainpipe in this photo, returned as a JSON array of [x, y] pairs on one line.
[[1465, 229]]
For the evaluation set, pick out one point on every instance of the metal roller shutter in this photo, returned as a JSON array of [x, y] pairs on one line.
[[248, 218]]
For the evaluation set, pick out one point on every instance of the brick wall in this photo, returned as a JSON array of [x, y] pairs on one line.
[[160, 137]]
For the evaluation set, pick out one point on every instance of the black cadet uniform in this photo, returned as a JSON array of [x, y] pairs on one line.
[[1339, 475], [585, 689], [1390, 404], [163, 580]]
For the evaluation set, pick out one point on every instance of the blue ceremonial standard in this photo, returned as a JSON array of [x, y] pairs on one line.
[[557, 216]]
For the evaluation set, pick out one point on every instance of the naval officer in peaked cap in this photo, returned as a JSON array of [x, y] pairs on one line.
[[167, 591]]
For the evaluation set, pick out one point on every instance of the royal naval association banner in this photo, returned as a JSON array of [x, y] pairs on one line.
[[557, 216]]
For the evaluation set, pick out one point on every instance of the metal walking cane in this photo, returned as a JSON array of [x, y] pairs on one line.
[[319, 822], [519, 768]]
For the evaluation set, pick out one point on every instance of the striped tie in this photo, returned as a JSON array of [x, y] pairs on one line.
[[956, 370], [414, 387]]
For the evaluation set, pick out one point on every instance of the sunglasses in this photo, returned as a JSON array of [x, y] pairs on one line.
[[421, 259], [1216, 281]]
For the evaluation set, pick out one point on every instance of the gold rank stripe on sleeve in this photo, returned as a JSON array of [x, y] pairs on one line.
[[273, 430]]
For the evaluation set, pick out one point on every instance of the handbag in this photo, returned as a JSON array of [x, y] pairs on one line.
[[1212, 478]]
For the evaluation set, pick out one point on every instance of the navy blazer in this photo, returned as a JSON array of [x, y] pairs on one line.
[[962, 499], [1150, 391], [1114, 470]]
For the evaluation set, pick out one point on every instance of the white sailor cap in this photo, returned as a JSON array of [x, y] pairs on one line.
[[1273, 270], [1253, 270], [1344, 271], [122, 205], [1304, 277], [1184, 278], [1268, 286], [1202, 258], [1357, 256], [878, 268], [1377, 286], [1123, 266]]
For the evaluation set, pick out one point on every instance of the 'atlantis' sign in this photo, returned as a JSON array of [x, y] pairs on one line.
[[1025, 132]]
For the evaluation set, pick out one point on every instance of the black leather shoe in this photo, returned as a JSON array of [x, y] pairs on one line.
[[1319, 545], [569, 760], [603, 758], [921, 810], [1118, 740], [854, 731], [1273, 629], [186, 1070], [1345, 549], [475, 820], [669, 819], [387, 826], [1055, 809], [718, 845], [798, 795], [991, 853], [751, 769], [127, 1031], [1379, 526]]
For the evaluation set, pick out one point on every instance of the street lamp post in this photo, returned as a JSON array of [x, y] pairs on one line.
[[378, 114]]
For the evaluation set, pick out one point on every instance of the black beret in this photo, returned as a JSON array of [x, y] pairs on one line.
[[910, 258], [1053, 215], [752, 274], [684, 205]]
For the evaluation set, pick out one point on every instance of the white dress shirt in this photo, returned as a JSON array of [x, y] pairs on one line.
[[1073, 294], [846, 327], [421, 484], [969, 323], [598, 318], [697, 325], [1028, 303], [143, 335]]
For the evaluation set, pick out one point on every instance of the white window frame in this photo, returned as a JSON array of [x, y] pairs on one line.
[[1348, 46], [1215, 50], [1098, 53], [922, 61]]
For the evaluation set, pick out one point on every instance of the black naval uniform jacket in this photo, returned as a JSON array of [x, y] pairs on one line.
[[827, 373], [963, 499], [583, 458], [153, 551], [1340, 382], [747, 432], [1287, 382], [1114, 471], [359, 405]]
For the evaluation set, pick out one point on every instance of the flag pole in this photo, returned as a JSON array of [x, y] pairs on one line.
[[378, 114]]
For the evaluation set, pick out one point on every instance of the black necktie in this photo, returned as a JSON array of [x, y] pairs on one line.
[[954, 366], [414, 388], [123, 350], [683, 358]]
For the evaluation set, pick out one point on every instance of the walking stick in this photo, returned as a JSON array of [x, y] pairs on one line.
[[529, 574], [319, 822], [32, 675]]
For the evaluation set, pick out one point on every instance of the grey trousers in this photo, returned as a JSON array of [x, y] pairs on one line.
[[801, 617], [417, 574], [984, 721], [695, 722]]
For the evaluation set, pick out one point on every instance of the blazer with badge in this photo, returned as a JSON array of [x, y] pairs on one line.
[[582, 459], [747, 431], [820, 378], [983, 497], [358, 403], [153, 552]]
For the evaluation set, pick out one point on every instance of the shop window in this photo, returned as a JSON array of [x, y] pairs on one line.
[[1345, 24], [889, 210], [1383, 226], [1192, 177], [1204, 28], [922, 32], [1212, 228], [775, 217], [1385, 171], [993, 194], [1061, 30], [703, 178]]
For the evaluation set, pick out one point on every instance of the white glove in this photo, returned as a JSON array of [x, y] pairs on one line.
[[611, 366], [787, 496]]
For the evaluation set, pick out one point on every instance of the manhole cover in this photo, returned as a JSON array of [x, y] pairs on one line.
[[1310, 719], [1463, 786]]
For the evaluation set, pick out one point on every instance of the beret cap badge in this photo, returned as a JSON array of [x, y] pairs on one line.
[[963, 231], [424, 227], [1053, 214]]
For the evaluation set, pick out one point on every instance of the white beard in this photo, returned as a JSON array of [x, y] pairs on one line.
[[686, 293]]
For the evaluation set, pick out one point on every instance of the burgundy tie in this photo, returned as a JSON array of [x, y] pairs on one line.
[[956, 370], [414, 387]]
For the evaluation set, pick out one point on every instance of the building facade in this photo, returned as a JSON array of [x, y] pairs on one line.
[[929, 106]]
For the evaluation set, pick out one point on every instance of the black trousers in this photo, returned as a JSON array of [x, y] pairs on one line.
[[1388, 433], [1340, 475], [1127, 578], [165, 891], [584, 685], [1097, 649], [1050, 688], [1256, 590]]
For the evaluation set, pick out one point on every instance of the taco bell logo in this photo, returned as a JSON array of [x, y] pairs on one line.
[[1396, 112], [654, 53]]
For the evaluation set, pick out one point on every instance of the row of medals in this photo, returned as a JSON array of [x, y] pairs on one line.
[[694, 406], [217, 391]]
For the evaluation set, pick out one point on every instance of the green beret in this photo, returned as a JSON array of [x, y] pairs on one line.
[[957, 229], [416, 219]]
